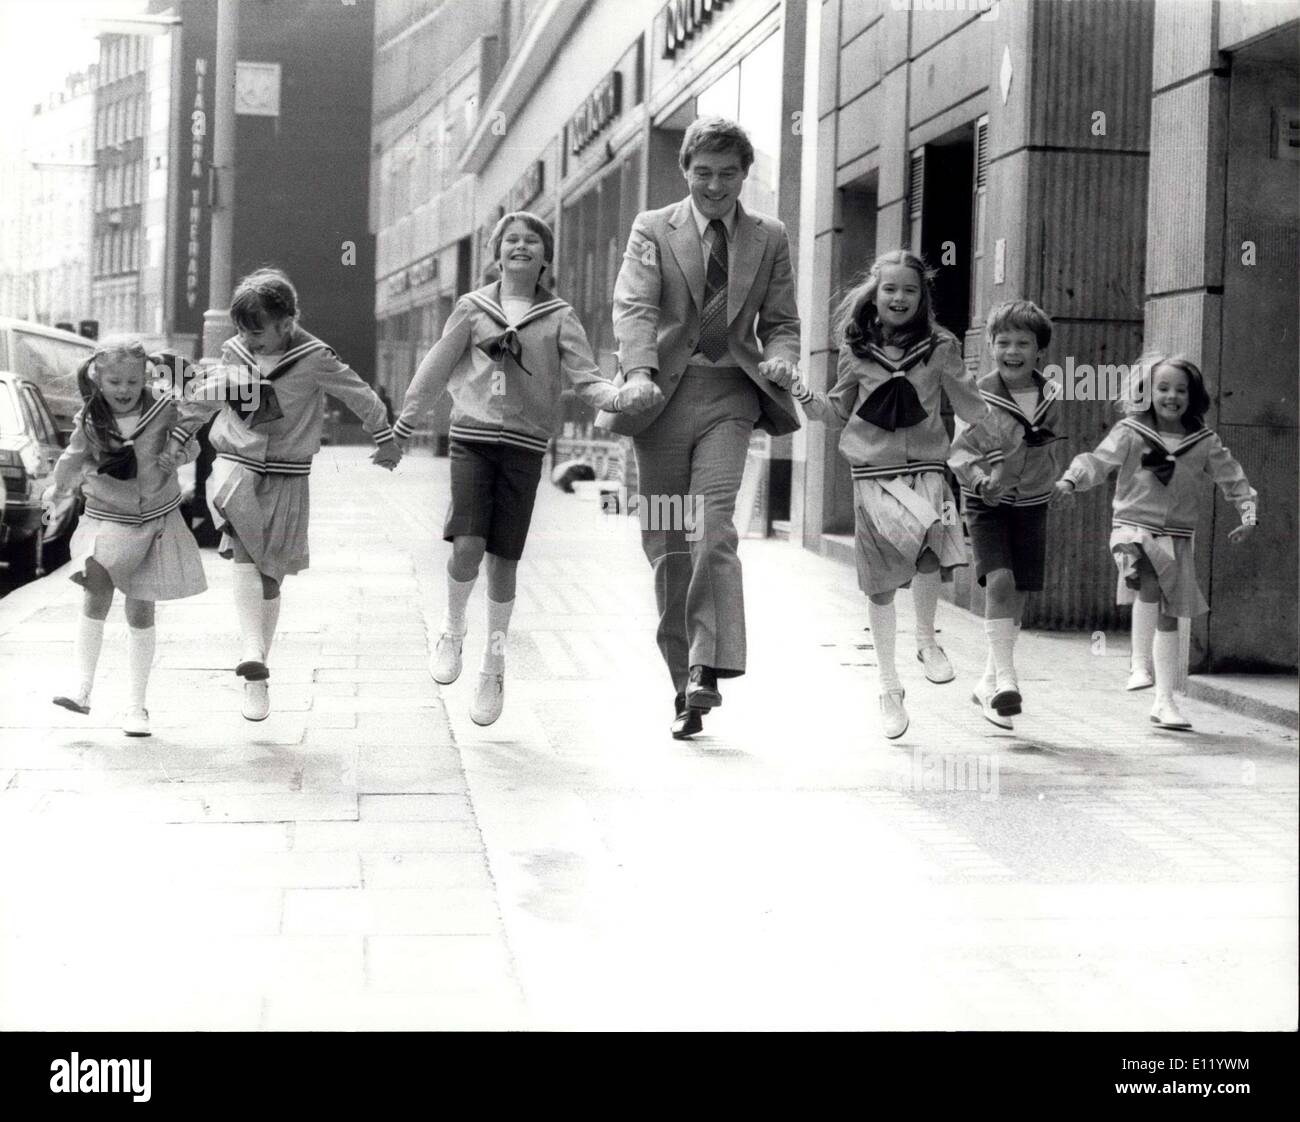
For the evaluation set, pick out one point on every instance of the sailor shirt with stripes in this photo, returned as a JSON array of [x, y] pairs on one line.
[[1008, 436], [506, 379], [1141, 499], [874, 452]]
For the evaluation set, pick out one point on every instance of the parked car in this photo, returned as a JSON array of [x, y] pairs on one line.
[[49, 357], [30, 446]]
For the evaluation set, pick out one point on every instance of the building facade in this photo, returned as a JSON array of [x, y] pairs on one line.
[[45, 234], [1030, 150], [434, 65]]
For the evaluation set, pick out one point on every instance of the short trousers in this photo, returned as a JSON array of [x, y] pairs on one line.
[[493, 488], [1009, 537]]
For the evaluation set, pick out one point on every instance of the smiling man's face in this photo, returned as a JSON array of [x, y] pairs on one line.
[[715, 180]]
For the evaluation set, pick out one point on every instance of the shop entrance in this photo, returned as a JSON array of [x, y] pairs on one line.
[[940, 188]]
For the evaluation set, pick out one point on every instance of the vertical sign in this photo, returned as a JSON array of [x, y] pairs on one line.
[[196, 184]]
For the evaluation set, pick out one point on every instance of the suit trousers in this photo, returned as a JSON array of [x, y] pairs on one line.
[[690, 463]]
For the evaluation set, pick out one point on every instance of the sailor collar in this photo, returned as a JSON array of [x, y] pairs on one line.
[[301, 344], [1154, 437], [489, 301], [1003, 399]]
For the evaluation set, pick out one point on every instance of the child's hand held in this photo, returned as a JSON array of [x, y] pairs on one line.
[[777, 371], [1062, 494], [387, 455]]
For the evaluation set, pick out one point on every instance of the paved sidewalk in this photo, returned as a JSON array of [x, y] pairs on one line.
[[368, 858]]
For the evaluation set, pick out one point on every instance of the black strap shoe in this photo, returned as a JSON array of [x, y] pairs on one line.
[[702, 688]]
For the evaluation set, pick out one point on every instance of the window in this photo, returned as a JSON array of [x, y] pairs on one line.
[[9, 423], [39, 416]]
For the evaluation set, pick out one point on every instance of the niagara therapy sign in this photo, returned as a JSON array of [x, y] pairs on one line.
[[197, 187]]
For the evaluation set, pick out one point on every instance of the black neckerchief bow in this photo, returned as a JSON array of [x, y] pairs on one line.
[[1035, 432], [895, 404], [267, 408], [1159, 460], [504, 345], [120, 462]]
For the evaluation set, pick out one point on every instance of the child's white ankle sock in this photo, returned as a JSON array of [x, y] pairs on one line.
[[884, 630], [457, 598], [85, 649], [1145, 613], [498, 627], [270, 621], [1002, 641], [140, 644], [248, 610], [925, 601], [1164, 651]]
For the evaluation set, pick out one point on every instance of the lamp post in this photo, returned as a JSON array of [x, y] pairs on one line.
[[216, 320]]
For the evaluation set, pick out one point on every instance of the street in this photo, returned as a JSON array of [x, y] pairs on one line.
[[368, 858]]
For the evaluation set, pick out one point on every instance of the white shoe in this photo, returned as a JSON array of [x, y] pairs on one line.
[[982, 695], [136, 722], [257, 701], [79, 702], [937, 667], [489, 698], [893, 717], [1140, 676], [1165, 715], [444, 666], [1006, 696]]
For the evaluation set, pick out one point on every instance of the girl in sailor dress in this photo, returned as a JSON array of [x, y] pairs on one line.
[[270, 390], [893, 361], [506, 352], [123, 454], [1162, 451]]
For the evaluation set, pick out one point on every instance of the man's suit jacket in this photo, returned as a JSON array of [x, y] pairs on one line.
[[659, 296]]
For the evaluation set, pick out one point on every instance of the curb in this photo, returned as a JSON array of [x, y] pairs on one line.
[[24, 602], [1203, 689]]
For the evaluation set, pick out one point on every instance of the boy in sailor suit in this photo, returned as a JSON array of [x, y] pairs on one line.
[[505, 355], [1007, 464]]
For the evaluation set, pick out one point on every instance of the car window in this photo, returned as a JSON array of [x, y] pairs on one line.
[[52, 365], [43, 424], [10, 425]]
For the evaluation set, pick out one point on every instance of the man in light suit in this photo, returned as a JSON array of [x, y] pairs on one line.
[[705, 317]]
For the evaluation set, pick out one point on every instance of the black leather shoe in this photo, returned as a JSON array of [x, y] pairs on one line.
[[702, 688], [687, 723]]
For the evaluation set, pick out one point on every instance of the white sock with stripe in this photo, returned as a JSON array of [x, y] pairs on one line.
[[85, 652], [498, 619], [1164, 650], [140, 645], [925, 601], [1002, 641], [1145, 613], [248, 610], [884, 633], [458, 591]]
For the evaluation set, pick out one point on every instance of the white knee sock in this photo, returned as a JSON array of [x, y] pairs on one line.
[[1164, 650], [884, 630], [990, 678], [1144, 629], [494, 649], [248, 610], [270, 621], [457, 598], [140, 643], [85, 650], [925, 600], [1002, 642]]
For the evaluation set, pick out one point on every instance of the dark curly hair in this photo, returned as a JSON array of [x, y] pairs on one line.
[[266, 294]]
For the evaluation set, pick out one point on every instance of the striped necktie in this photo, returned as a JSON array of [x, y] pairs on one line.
[[713, 320]]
